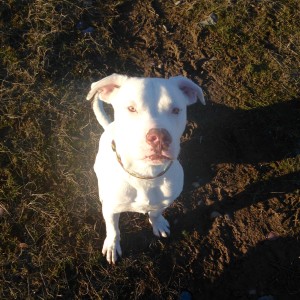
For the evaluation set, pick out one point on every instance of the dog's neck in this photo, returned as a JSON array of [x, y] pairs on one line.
[[152, 172]]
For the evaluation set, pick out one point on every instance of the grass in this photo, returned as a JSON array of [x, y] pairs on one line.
[[261, 52], [50, 218]]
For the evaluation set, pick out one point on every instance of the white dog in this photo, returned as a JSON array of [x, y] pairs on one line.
[[136, 165]]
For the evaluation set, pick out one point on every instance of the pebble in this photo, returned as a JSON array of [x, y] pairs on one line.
[[185, 295], [90, 29], [212, 19], [266, 297], [23, 245], [81, 25], [195, 184], [198, 182], [272, 236], [165, 28], [201, 202], [215, 214], [227, 216], [88, 3], [84, 28], [252, 292]]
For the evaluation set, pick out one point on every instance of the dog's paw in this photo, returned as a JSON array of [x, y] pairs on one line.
[[111, 249], [160, 226]]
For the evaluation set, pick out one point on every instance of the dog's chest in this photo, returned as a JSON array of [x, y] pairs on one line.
[[150, 195], [149, 200]]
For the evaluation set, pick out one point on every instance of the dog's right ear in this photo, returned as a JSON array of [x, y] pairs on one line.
[[106, 86]]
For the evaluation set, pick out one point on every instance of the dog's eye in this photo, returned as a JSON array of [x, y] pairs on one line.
[[131, 109], [175, 111]]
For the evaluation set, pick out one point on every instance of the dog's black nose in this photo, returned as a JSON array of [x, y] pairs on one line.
[[159, 139]]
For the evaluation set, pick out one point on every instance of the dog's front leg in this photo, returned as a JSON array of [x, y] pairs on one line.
[[111, 247], [159, 224]]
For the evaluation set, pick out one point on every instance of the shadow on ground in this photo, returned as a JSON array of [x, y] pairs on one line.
[[226, 135]]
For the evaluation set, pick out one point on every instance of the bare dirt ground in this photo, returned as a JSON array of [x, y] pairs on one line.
[[235, 228]]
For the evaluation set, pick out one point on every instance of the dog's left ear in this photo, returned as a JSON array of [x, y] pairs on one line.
[[190, 89], [106, 86]]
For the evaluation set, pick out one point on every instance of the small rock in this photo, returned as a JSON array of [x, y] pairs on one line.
[[177, 3], [185, 295], [88, 3], [195, 184], [272, 236], [252, 292], [215, 214], [81, 25], [201, 202], [212, 19], [84, 27], [90, 29], [23, 245], [227, 216], [266, 297], [165, 28]]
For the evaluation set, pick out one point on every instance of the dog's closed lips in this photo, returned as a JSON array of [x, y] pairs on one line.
[[126, 182], [158, 157]]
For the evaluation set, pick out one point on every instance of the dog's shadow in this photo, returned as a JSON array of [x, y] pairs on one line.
[[250, 139], [219, 134]]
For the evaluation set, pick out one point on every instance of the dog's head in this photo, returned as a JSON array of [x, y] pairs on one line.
[[149, 114]]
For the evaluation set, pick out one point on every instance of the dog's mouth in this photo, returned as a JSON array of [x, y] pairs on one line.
[[158, 158]]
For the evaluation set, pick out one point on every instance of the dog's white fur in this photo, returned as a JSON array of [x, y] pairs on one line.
[[141, 106]]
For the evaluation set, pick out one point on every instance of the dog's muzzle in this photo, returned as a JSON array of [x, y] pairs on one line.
[[135, 174]]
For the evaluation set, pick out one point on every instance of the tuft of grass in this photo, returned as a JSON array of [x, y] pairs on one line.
[[287, 165]]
